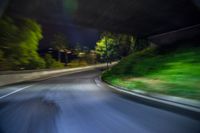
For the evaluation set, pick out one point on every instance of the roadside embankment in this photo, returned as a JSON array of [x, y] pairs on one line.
[[174, 72]]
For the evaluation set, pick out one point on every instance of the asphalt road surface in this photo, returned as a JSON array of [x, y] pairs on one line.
[[77, 104]]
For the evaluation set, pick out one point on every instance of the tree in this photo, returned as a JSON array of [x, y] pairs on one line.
[[19, 44], [107, 48], [126, 44], [115, 46], [60, 43], [141, 44]]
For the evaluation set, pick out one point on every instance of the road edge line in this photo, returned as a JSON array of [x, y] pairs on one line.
[[16, 91]]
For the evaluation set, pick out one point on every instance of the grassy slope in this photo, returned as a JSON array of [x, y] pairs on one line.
[[174, 73]]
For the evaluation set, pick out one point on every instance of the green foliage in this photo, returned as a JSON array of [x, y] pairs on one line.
[[107, 48], [77, 63], [101, 47], [176, 72], [118, 45], [57, 65], [19, 43], [126, 44], [52, 63]]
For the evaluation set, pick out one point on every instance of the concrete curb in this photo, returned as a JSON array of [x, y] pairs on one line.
[[182, 106], [9, 78]]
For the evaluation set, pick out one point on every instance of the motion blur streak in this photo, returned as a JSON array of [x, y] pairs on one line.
[[3, 4], [75, 104]]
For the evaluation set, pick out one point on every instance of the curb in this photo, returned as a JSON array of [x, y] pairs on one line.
[[157, 100], [15, 77]]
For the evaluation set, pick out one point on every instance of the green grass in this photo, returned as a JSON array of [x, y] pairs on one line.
[[175, 73]]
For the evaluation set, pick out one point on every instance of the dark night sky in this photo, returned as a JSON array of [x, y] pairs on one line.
[[55, 16], [139, 17]]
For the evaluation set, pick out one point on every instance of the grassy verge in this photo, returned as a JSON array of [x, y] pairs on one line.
[[175, 73], [77, 63]]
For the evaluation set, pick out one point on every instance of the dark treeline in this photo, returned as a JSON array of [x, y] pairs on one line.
[[19, 46], [20, 39]]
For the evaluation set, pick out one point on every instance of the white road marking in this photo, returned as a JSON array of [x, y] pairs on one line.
[[13, 92]]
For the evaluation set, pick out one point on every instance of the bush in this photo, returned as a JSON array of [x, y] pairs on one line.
[[52, 63], [77, 63], [37, 63]]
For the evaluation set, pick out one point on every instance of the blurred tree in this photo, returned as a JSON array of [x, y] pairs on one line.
[[141, 44], [106, 48], [126, 44], [19, 43], [101, 49], [61, 44], [52, 63], [114, 46]]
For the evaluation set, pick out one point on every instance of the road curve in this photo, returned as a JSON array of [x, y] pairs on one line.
[[76, 104]]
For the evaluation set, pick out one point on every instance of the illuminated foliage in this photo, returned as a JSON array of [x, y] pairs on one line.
[[118, 46], [104, 51], [19, 44]]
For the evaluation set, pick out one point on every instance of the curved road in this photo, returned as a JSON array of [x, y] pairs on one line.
[[77, 104]]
